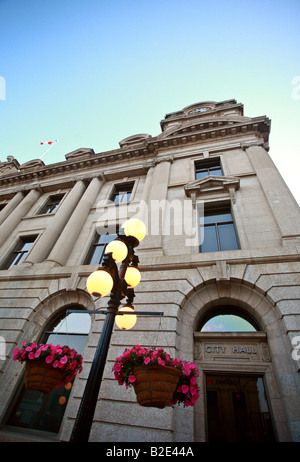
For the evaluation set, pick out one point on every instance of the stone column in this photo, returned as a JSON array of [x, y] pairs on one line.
[[143, 212], [67, 238], [9, 225], [12, 204], [283, 205], [156, 201], [43, 246]]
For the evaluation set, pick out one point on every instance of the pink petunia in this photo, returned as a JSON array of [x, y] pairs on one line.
[[37, 353], [160, 362], [184, 389], [49, 359], [31, 355], [147, 360], [131, 378]]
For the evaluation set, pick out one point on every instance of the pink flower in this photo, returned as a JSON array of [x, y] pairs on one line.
[[147, 360], [186, 370], [131, 378], [160, 362], [194, 390], [184, 389], [37, 353], [63, 360], [31, 355], [56, 363], [49, 359], [118, 367]]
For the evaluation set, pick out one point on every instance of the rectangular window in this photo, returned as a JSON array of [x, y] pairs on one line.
[[219, 230], [97, 249], [19, 253], [51, 205], [121, 193], [204, 168]]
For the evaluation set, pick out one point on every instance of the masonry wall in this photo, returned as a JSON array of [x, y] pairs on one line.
[[261, 278]]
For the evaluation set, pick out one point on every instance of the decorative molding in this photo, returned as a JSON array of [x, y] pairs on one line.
[[212, 183]]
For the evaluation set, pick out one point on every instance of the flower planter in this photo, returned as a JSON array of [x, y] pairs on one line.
[[42, 377], [155, 385]]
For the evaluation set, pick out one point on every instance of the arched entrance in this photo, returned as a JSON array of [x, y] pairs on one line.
[[233, 355], [241, 395]]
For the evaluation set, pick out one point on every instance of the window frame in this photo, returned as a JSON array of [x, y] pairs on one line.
[[227, 310], [208, 165], [47, 207], [117, 191], [17, 250], [218, 210], [95, 244]]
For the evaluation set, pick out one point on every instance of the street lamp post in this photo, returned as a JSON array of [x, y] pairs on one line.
[[119, 283]]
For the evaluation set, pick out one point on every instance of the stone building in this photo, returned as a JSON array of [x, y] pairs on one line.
[[230, 300]]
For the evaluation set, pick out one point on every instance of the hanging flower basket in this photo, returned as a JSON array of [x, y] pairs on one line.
[[155, 385], [158, 379], [42, 377], [48, 366]]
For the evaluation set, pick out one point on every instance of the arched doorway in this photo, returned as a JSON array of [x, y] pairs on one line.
[[233, 355], [260, 350]]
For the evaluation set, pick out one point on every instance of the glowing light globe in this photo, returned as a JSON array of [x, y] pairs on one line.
[[119, 250], [126, 321], [132, 276], [99, 283], [135, 227]]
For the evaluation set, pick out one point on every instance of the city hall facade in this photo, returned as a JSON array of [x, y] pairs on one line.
[[220, 260]]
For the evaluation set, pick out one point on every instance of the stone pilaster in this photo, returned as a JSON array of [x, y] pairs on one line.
[[282, 204], [12, 204], [67, 238], [9, 225], [41, 249]]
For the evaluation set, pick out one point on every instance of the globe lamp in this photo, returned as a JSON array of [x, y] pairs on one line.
[[126, 321], [135, 227], [99, 283], [132, 276], [118, 249]]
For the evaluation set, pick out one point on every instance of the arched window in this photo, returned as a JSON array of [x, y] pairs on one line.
[[228, 319], [35, 410]]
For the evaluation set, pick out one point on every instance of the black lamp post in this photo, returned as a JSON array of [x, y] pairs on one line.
[[119, 283]]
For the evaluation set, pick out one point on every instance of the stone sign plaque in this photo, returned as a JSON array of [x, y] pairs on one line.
[[250, 346]]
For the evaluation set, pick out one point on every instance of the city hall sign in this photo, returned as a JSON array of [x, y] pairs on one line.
[[231, 345]]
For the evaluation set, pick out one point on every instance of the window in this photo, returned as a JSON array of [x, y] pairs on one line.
[[35, 410], [219, 230], [227, 323], [121, 193], [51, 205], [228, 318], [97, 250], [208, 167], [19, 253]]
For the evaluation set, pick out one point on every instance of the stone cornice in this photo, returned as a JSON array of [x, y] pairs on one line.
[[148, 148]]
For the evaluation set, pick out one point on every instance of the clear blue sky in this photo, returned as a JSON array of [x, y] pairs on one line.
[[92, 73]]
